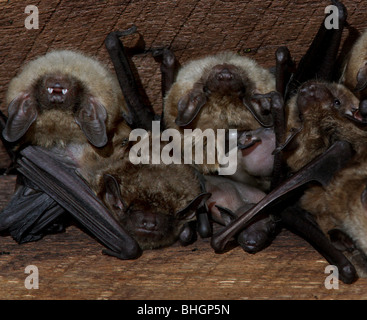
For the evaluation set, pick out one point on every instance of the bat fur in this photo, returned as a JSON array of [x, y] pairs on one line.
[[340, 205], [95, 79], [224, 108], [354, 74], [150, 190]]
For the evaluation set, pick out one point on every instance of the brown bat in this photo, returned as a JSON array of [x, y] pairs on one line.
[[219, 92], [340, 211], [149, 216], [322, 113], [59, 100], [226, 91], [153, 202]]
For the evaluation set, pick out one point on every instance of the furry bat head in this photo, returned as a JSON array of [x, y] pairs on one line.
[[219, 92], [325, 112], [341, 211], [152, 202], [60, 93], [223, 83]]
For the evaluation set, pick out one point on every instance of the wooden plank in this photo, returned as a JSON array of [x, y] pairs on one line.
[[71, 264]]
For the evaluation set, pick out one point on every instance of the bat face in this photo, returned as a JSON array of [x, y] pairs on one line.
[[219, 92], [58, 91], [331, 99], [226, 79], [150, 227], [155, 212], [326, 112], [217, 85], [63, 97]]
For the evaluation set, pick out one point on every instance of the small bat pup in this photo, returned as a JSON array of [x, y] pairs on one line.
[[72, 106], [227, 91]]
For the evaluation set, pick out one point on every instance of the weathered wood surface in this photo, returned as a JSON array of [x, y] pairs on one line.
[[71, 264]]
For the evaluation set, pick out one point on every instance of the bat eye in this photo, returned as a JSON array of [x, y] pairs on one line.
[[337, 103]]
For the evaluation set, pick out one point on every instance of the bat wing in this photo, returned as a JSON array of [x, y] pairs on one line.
[[141, 115], [29, 213], [70, 191], [320, 169]]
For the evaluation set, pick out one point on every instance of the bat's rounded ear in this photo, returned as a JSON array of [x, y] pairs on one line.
[[361, 79], [260, 107], [312, 94], [189, 106], [22, 113], [113, 193], [91, 118], [189, 211]]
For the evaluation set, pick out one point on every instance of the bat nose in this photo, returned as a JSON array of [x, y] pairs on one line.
[[224, 75], [148, 222]]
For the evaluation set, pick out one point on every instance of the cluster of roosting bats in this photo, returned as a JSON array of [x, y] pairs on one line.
[[301, 151]]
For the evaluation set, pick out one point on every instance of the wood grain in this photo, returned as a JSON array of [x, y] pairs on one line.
[[71, 265]]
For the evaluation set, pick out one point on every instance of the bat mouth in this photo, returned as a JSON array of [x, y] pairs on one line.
[[147, 233], [57, 90], [356, 117], [57, 93]]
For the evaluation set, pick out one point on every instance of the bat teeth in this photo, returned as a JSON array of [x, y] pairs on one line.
[[50, 90], [64, 91]]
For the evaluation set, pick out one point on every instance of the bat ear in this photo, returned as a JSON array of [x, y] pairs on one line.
[[22, 113], [361, 79], [310, 93], [260, 107], [226, 214], [113, 193], [91, 118], [190, 105], [189, 211], [341, 240]]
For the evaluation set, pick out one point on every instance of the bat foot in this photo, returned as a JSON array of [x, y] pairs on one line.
[[348, 274], [258, 235], [131, 254]]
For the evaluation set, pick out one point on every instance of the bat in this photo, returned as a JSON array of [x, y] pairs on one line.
[[168, 68], [342, 108], [222, 91], [340, 211], [68, 88], [153, 222], [61, 100], [228, 91]]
